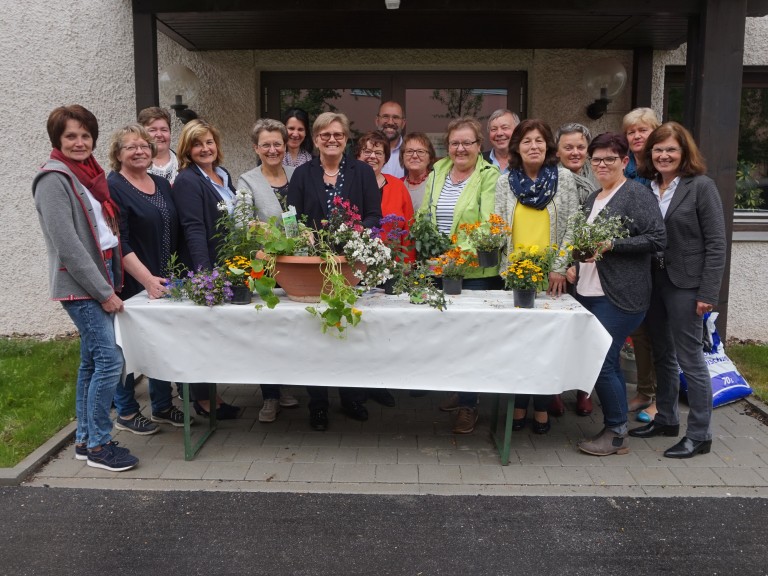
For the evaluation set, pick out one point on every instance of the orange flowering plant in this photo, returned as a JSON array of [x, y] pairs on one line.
[[487, 236], [454, 263]]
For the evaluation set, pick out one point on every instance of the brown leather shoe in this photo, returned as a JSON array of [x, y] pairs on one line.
[[466, 418], [583, 404], [556, 406], [450, 403]]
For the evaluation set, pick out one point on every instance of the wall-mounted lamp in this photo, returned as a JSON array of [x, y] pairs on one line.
[[603, 80], [179, 81], [183, 112], [392, 4]]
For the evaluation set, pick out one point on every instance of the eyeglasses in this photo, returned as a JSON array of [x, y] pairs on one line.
[[670, 150], [390, 117], [465, 144], [367, 153], [266, 147], [326, 136], [132, 148], [418, 153], [608, 160]]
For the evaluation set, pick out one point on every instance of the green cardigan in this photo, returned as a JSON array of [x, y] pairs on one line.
[[475, 204]]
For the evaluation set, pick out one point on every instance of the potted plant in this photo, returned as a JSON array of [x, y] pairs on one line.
[[589, 238], [452, 266], [428, 241], [417, 280], [527, 273], [487, 238]]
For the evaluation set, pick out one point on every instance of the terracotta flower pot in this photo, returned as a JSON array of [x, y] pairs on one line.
[[302, 276]]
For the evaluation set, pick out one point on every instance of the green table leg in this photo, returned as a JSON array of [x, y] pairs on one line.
[[503, 443], [191, 450]]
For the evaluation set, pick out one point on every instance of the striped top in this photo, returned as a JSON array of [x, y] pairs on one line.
[[446, 203]]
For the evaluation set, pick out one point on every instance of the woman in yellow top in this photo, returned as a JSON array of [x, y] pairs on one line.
[[537, 198]]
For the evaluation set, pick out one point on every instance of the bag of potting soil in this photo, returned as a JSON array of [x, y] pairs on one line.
[[728, 385]]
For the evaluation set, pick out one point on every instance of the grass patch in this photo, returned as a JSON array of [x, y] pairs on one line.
[[752, 362], [37, 395]]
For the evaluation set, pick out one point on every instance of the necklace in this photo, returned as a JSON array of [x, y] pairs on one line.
[[417, 182], [331, 175], [457, 180]]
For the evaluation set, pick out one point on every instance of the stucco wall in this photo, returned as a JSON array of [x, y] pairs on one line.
[[226, 97], [747, 312], [51, 57]]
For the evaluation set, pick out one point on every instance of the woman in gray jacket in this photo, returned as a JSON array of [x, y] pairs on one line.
[[615, 284], [268, 184], [79, 221]]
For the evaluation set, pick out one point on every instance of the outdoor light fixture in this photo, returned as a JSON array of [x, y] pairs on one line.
[[183, 112], [392, 4], [603, 80], [181, 82]]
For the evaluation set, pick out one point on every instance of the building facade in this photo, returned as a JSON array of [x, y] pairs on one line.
[[57, 56]]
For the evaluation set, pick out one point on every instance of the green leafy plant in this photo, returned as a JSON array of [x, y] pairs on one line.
[[426, 238], [588, 237], [749, 195], [338, 298]]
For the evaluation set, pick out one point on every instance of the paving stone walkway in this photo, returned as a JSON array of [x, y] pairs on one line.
[[410, 449]]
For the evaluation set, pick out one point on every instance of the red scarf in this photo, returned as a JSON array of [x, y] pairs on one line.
[[92, 176]]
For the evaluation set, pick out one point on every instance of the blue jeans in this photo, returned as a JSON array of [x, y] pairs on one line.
[[101, 365], [160, 396], [610, 386]]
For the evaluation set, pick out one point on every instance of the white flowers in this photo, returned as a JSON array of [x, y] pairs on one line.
[[373, 254]]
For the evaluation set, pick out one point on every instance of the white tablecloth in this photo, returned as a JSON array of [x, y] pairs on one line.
[[480, 343]]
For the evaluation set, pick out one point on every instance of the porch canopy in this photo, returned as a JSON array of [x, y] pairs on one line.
[[713, 29]]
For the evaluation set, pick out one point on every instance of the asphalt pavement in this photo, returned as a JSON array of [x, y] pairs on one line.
[[58, 531]]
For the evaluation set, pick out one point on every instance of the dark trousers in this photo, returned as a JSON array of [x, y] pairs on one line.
[[676, 331], [318, 396]]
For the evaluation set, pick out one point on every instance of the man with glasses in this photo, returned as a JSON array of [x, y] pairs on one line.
[[391, 121]]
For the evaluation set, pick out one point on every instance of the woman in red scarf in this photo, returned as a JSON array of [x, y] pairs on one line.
[[80, 225]]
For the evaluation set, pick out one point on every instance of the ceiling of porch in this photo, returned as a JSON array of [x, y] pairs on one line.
[[307, 24]]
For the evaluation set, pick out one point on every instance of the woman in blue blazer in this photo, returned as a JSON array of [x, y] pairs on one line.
[[686, 285], [202, 184]]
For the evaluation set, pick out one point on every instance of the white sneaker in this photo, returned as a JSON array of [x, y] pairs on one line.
[[269, 411], [287, 400]]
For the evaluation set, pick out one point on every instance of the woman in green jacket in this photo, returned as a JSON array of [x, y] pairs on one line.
[[461, 190]]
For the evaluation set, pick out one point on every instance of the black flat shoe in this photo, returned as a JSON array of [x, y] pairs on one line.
[[355, 410], [318, 420], [382, 396], [541, 427], [518, 425], [654, 429], [223, 412], [688, 448]]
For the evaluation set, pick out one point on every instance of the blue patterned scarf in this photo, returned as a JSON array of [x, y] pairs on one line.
[[534, 194]]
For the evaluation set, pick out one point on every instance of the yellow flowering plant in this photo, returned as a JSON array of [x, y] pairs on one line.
[[487, 236], [417, 281], [529, 267]]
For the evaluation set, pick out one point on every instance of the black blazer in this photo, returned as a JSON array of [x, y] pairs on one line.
[[696, 246], [306, 191], [142, 227], [197, 203]]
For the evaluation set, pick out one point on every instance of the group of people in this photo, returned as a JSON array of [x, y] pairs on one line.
[[110, 237]]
